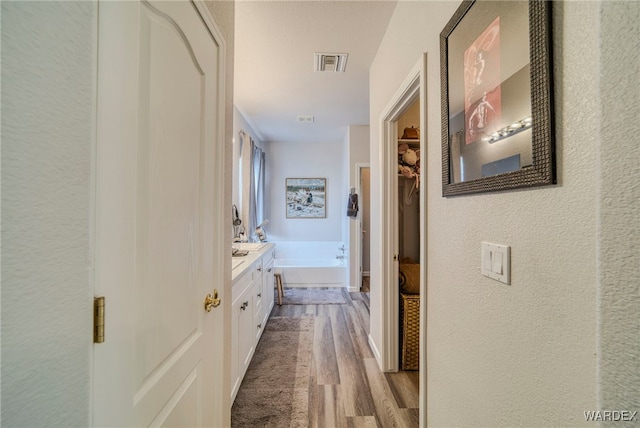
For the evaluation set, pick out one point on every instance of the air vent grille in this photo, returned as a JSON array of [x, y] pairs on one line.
[[305, 119], [330, 62]]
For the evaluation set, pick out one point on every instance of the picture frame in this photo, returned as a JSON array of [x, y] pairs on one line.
[[497, 97], [306, 198]]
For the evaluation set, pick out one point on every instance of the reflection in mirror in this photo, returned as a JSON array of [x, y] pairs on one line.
[[492, 42], [489, 120]]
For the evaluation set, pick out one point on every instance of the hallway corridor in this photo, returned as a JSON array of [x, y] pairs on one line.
[[344, 388]]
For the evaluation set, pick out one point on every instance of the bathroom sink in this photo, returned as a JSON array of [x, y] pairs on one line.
[[235, 263], [249, 246]]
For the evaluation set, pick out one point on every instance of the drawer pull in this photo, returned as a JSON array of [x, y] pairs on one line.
[[259, 294], [259, 326], [244, 305], [259, 269]]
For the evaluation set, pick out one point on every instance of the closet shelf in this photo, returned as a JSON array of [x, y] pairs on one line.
[[413, 143]]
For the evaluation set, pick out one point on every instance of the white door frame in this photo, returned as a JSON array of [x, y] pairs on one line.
[[408, 92], [221, 405], [359, 249]]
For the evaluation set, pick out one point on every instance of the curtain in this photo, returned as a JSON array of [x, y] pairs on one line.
[[252, 179], [259, 173]]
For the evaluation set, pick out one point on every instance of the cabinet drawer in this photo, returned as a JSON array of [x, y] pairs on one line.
[[241, 284]]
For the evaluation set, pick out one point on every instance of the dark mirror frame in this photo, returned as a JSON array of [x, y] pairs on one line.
[[543, 170]]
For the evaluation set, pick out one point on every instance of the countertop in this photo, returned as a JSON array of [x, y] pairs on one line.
[[250, 259]]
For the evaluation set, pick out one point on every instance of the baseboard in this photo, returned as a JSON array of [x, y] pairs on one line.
[[375, 351]]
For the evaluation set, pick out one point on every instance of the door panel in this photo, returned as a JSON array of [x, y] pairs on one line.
[[169, 194], [156, 212]]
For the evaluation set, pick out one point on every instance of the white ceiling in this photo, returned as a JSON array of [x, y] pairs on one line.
[[274, 80]]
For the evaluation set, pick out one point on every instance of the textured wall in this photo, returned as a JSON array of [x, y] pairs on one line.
[[48, 99], [618, 218], [498, 355]]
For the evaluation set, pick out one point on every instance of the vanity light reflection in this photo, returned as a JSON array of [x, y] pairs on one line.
[[507, 131]]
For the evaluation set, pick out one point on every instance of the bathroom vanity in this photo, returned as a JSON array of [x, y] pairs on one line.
[[252, 301]]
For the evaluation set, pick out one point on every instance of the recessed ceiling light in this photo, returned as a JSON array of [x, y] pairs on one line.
[[332, 62]]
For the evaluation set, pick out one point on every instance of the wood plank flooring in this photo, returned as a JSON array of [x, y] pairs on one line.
[[347, 389]]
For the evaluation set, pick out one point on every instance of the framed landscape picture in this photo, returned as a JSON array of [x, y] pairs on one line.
[[306, 197]]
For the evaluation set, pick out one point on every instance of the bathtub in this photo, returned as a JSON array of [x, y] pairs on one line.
[[311, 272], [310, 264]]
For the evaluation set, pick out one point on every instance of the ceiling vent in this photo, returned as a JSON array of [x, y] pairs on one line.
[[305, 119], [334, 62]]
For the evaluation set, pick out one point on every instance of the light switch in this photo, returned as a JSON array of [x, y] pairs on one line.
[[496, 262], [486, 259]]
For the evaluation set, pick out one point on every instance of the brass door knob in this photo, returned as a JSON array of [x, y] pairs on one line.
[[211, 302]]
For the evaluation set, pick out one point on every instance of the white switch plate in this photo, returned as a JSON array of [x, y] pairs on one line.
[[496, 262]]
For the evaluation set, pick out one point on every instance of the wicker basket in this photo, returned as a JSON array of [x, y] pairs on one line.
[[410, 331]]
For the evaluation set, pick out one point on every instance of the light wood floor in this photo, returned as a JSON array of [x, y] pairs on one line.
[[347, 388]]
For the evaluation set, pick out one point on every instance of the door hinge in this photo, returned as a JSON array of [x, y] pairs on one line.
[[98, 319]]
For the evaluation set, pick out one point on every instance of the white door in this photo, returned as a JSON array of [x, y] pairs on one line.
[[158, 216]]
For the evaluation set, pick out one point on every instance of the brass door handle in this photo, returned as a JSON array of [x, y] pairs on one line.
[[211, 302]]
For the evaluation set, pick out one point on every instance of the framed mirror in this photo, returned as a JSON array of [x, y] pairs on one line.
[[497, 97]]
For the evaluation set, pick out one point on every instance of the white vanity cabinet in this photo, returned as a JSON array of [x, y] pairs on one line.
[[242, 344], [252, 301]]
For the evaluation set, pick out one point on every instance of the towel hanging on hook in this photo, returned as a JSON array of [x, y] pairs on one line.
[[352, 204]]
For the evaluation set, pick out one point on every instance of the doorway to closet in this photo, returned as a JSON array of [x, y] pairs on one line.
[[408, 234], [404, 227]]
